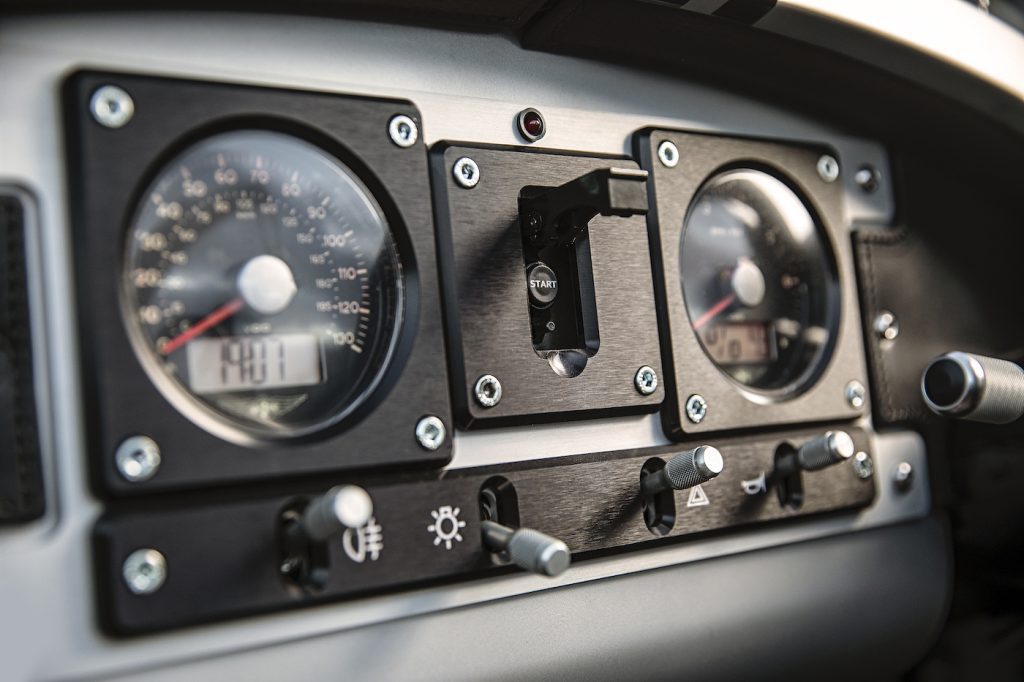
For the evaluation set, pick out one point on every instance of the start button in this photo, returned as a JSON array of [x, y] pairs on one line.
[[542, 283]]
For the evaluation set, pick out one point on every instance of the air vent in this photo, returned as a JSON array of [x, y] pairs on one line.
[[21, 488]]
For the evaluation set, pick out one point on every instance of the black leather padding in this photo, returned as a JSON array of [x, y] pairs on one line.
[[21, 484], [952, 277]]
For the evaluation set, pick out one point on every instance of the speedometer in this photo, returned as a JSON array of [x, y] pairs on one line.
[[262, 288], [759, 281]]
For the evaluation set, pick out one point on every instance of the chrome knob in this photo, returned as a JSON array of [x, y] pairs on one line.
[[337, 510], [830, 448], [974, 387], [529, 549], [685, 470]]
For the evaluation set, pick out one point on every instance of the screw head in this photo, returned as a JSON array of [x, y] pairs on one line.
[[111, 106], [867, 178], [144, 571], [430, 432], [668, 154], [863, 465], [487, 390], [137, 458], [855, 394], [531, 124], [828, 168], [904, 476], [550, 326], [646, 380], [886, 326], [466, 172], [403, 131], [696, 408]]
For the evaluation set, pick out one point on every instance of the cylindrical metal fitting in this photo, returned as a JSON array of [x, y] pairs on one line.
[[338, 509], [685, 470], [529, 549], [974, 387], [825, 450]]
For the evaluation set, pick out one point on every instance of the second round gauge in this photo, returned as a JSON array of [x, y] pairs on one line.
[[759, 282], [262, 286]]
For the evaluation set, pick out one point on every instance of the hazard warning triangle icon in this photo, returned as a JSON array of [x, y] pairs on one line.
[[698, 498]]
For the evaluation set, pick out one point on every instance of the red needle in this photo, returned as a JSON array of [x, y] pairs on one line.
[[212, 320], [714, 311]]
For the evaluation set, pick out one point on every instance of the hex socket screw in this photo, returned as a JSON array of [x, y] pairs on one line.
[[137, 458], [855, 394], [111, 106], [487, 390], [646, 380], [668, 154], [696, 408], [466, 172], [403, 130], [144, 571], [430, 432], [828, 168]]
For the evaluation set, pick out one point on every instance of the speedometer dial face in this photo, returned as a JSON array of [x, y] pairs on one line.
[[262, 288], [759, 282]]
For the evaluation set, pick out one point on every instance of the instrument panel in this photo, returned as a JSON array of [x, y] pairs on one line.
[[290, 304], [262, 279]]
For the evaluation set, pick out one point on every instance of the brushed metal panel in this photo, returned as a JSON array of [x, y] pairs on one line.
[[486, 295], [688, 367], [591, 502]]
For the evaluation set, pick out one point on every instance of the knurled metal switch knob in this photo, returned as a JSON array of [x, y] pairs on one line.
[[529, 549], [974, 387], [827, 449], [337, 510], [685, 470]]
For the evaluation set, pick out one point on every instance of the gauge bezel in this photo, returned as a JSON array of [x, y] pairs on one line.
[[689, 369], [814, 370], [174, 389], [108, 168]]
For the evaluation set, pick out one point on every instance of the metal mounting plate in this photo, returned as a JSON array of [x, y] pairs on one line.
[[689, 369], [486, 295], [109, 167]]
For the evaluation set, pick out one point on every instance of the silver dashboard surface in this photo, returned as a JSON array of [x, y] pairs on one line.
[[468, 87]]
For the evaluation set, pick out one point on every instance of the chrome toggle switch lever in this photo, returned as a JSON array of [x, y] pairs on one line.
[[827, 449], [974, 387], [685, 470], [529, 549], [306, 530], [337, 510]]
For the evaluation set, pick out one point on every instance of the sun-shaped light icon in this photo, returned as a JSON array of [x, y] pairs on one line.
[[446, 526]]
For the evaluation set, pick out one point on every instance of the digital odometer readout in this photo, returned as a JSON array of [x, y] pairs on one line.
[[740, 343], [243, 363]]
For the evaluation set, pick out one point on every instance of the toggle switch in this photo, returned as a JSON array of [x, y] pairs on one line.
[[827, 449], [683, 471], [305, 530], [334, 512], [529, 549]]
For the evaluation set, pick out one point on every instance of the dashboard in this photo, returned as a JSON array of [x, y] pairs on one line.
[[419, 350]]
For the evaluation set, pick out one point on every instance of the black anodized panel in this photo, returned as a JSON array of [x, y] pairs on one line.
[[688, 368], [223, 558], [109, 167], [486, 297]]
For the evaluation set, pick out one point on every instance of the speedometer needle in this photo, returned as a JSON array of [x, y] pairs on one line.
[[714, 311], [212, 320]]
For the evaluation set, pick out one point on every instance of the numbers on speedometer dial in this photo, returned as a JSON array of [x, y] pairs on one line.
[[262, 287], [759, 282]]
